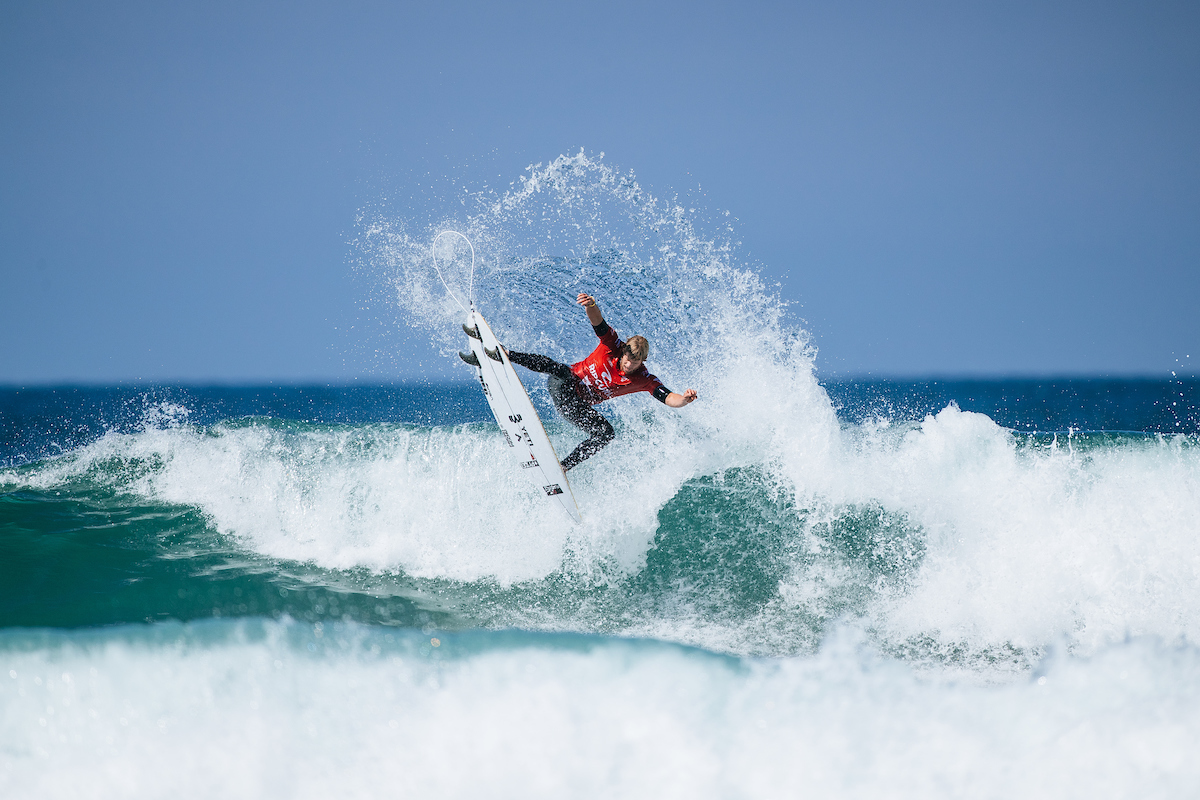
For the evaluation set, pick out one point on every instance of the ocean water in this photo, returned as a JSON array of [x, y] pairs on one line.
[[795, 587]]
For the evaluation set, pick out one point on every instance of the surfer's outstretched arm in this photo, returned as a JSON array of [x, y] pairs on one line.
[[680, 400]]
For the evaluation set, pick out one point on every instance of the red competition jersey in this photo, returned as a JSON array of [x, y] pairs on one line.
[[600, 373]]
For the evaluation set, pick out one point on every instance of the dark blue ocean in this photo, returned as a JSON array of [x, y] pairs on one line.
[[794, 587]]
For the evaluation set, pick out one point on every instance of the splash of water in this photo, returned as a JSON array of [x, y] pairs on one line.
[[750, 521], [994, 521]]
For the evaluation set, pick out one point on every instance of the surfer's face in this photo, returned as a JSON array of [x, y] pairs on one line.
[[629, 364]]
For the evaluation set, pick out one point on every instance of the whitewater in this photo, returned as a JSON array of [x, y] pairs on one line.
[[783, 589]]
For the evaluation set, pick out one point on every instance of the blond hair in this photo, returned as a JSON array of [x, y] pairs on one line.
[[636, 347]]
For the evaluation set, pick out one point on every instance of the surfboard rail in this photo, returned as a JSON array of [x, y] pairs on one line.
[[518, 419]]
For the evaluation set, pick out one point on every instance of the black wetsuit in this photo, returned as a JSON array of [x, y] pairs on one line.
[[574, 398], [564, 391]]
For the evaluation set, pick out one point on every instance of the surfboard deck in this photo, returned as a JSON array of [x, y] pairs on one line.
[[518, 420]]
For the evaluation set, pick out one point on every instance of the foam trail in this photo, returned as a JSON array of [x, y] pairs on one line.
[[282, 710]]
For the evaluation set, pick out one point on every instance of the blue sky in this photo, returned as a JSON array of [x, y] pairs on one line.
[[939, 187]]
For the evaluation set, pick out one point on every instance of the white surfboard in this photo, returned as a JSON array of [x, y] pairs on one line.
[[523, 429]]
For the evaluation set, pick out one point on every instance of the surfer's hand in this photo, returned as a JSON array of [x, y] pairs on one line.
[[680, 400], [589, 305]]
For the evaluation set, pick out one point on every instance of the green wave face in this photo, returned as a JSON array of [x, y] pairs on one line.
[[95, 558], [86, 556]]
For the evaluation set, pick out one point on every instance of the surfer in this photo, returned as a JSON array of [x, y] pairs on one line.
[[613, 369]]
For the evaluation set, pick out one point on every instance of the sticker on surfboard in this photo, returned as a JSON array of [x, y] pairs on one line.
[[517, 417]]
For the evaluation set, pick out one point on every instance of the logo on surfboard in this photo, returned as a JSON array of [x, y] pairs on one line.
[[519, 423]]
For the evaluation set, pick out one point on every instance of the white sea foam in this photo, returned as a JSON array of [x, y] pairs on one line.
[[1028, 543], [1023, 544], [248, 710], [381, 497]]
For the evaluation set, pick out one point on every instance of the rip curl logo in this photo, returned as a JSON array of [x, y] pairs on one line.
[[553, 489], [514, 418], [603, 379]]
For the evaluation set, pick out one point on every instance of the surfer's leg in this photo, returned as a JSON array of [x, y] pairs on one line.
[[601, 431], [601, 436], [579, 412], [537, 363]]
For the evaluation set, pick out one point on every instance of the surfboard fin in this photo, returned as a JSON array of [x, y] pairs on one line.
[[472, 332], [470, 358], [494, 355]]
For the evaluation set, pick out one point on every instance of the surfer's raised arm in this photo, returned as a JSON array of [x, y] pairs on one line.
[[593, 310]]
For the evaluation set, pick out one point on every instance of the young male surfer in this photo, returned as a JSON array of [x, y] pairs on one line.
[[614, 368]]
